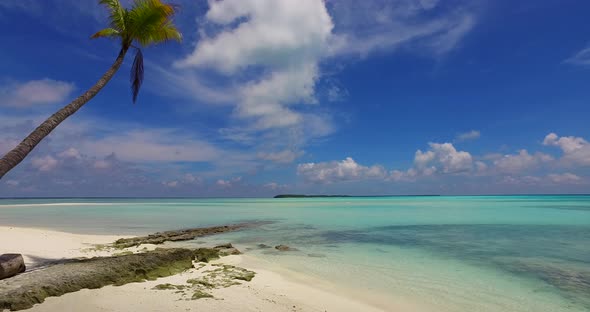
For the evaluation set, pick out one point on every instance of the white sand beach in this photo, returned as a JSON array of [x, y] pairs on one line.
[[268, 291]]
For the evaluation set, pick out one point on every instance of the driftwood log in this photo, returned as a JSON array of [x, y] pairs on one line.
[[11, 265]]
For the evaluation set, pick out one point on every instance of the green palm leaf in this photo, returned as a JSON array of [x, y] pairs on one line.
[[147, 22], [117, 13], [107, 32]]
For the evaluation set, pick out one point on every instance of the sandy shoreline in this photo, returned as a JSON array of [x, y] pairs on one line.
[[270, 290]]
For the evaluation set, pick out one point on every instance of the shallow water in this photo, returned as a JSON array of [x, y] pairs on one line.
[[481, 253]]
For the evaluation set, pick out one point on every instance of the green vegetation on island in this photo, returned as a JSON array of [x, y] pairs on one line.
[[308, 196]]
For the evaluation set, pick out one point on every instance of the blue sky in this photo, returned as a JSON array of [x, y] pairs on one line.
[[337, 96]]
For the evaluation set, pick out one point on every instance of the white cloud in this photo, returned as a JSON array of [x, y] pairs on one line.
[[275, 186], [582, 57], [521, 180], [515, 163], [46, 163], [26, 5], [271, 37], [35, 92], [428, 4], [548, 180], [372, 25], [443, 158], [13, 183], [154, 145], [576, 150], [283, 157], [171, 183], [272, 34], [70, 153], [228, 183], [269, 60], [335, 171], [269, 64], [469, 135], [480, 167], [564, 178], [190, 178], [189, 84]]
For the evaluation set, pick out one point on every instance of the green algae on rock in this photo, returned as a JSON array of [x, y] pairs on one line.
[[181, 235], [25, 290], [198, 294], [217, 276], [169, 286]]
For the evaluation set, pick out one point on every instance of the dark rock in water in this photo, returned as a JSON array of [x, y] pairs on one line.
[[572, 280], [285, 248], [25, 290], [316, 255], [181, 235], [228, 245], [11, 265], [263, 246], [227, 249]]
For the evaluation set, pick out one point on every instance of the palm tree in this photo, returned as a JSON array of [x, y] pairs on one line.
[[147, 22]]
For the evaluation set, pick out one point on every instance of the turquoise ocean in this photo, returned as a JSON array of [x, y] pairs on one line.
[[463, 254]]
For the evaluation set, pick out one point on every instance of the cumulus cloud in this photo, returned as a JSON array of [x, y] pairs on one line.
[[336, 171], [270, 63], [564, 178], [170, 183], [46, 163], [443, 158], [228, 183], [269, 35], [35, 92], [554, 179], [70, 153], [514, 163], [469, 135], [576, 150]]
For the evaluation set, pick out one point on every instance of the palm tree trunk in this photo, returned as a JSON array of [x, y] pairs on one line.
[[18, 154]]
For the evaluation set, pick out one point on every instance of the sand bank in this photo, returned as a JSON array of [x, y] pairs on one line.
[[268, 291]]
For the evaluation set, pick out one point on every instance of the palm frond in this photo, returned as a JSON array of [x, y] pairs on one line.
[[160, 34], [117, 13], [136, 74], [107, 32], [149, 21]]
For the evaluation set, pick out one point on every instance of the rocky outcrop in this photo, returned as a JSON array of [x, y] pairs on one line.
[[181, 235], [285, 248], [11, 265], [25, 290], [227, 249]]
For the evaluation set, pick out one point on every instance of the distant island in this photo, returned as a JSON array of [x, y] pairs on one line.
[[336, 196], [307, 196]]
